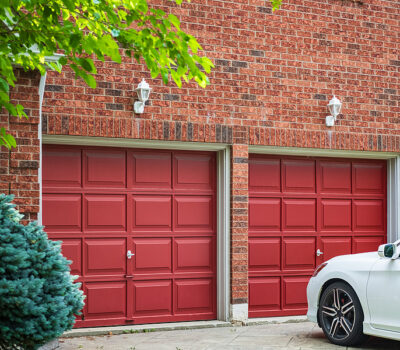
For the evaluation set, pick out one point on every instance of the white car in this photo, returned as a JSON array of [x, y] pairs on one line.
[[352, 296]]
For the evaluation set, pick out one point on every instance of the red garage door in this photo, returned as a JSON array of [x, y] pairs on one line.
[[298, 206], [159, 205]]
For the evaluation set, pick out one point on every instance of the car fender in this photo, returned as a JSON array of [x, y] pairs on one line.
[[357, 281], [356, 277]]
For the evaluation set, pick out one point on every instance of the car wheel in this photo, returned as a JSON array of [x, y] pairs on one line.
[[341, 315]]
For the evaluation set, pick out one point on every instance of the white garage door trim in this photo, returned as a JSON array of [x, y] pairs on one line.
[[223, 196], [393, 198]]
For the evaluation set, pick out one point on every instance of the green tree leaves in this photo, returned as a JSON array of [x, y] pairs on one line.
[[276, 4], [7, 138], [84, 30]]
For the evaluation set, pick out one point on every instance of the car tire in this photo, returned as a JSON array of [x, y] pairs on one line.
[[341, 316]]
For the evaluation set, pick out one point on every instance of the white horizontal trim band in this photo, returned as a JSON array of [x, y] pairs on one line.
[[320, 152], [131, 143]]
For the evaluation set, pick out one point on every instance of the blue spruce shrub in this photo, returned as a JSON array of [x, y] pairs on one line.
[[38, 296]]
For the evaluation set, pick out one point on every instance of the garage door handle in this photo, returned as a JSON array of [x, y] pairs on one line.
[[319, 253], [129, 254]]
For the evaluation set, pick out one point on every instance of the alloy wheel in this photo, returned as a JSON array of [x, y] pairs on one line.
[[338, 314]]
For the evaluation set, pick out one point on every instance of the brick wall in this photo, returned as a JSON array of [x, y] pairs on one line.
[[19, 167], [274, 75], [239, 224]]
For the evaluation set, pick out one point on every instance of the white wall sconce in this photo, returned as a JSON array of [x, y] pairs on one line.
[[143, 91], [334, 106]]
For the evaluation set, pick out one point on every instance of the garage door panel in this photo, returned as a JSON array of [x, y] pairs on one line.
[[105, 299], [299, 253], [152, 213], [61, 167], [193, 171], [150, 169], [264, 175], [295, 292], [336, 206], [194, 254], [335, 215], [265, 214], [334, 246], [152, 298], [264, 293], [369, 178], [298, 175], [72, 250], [194, 213], [63, 212], [194, 295], [152, 255], [335, 177], [299, 214], [105, 212], [368, 215], [105, 168], [366, 244], [105, 256], [160, 205], [264, 254]]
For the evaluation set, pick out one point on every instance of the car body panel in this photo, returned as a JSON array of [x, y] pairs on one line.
[[354, 270], [383, 294], [368, 329]]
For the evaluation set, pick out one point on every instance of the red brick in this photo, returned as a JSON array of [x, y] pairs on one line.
[[274, 76]]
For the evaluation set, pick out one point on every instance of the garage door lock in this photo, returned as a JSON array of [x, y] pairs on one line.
[[319, 252], [129, 254]]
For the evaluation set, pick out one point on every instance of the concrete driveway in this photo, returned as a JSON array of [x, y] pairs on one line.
[[303, 335]]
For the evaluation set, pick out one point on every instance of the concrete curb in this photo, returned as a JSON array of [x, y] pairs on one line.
[[158, 327], [84, 332]]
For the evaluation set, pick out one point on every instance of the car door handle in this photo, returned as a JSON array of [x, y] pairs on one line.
[[319, 253], [129, 254]]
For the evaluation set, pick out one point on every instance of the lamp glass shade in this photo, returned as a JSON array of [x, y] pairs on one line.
[[335, 106], [143, 91], [145, 94]]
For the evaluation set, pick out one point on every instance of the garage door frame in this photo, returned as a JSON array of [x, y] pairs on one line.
[[223, 196], [393, 174]]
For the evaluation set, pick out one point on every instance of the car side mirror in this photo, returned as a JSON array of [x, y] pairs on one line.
[[390, 251]]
